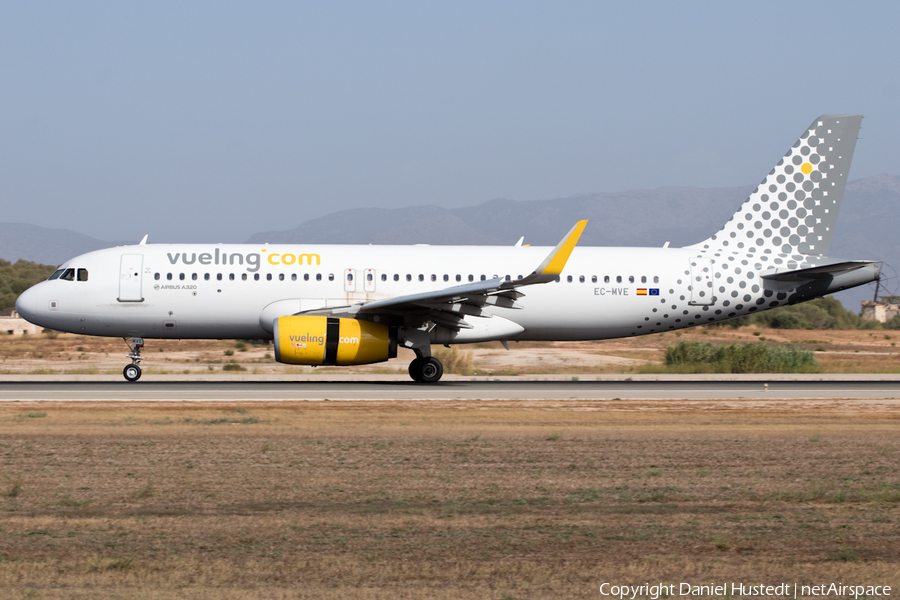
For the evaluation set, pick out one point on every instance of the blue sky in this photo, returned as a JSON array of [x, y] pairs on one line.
[[210, 121]]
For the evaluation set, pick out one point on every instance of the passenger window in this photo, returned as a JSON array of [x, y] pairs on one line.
[[606, 279], [206, 276], [483, 277], [331, 277], [433, 277], [306, 277], [594, 279], [618, 279], [281, 277], [581, 279], [421, 277], [243, 277], [155, 276], [471, 278], [446, 277], [557, 279], [82, 275], [643, 279], [408, 277], [293, 277], [181, 276], [518, 277], [631, 279], [59, 272], [168, 277], [218, 277], [256, 277], [318, 277], [193, 276], [508, 278], [231, 277], [459, 278], [396, 277], [383, 277], [569, 279], [656, 279]]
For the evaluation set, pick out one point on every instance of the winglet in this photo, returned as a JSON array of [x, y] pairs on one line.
[[556, 261]]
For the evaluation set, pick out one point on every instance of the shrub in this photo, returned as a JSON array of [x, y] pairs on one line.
[[821, 313], [232, 367], [455, 361], [741, 358]]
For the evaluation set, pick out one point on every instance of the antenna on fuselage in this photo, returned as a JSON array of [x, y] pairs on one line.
[[143, 241]]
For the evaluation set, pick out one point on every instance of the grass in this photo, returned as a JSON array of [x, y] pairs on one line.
[[739, 358], [440, 500], [836, 352]]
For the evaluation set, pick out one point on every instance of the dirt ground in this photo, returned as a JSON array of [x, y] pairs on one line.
[[835, 351], [430, 500]]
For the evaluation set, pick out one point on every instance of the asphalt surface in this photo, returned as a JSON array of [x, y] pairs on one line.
[[268, 391]]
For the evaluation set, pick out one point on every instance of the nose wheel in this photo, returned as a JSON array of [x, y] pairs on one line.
[[132, 372], [426, 370]]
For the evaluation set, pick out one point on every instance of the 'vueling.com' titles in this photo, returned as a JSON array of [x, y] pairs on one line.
[[252, 259]]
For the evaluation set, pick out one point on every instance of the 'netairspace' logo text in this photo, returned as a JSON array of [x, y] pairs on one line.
[[789, 590]]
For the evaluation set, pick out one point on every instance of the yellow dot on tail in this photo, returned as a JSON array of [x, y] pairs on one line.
[[806, 168]]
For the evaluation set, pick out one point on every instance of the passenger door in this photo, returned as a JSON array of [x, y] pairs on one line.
[[130, 278]]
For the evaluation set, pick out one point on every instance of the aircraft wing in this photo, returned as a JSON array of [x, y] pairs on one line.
[[448, 307]]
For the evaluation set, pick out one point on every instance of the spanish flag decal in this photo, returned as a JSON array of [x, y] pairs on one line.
[[648, 292], [642, 292]]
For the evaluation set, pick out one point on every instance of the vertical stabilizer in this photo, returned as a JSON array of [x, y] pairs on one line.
[[795, 208]]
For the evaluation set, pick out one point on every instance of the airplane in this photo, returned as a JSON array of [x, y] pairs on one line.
[[354, 304]]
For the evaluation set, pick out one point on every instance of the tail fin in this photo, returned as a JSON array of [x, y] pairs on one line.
[[795, 208]]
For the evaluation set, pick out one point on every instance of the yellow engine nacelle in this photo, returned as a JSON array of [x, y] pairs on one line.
[[303, 340]]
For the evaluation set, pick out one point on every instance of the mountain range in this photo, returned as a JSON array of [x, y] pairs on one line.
[[867, 226]]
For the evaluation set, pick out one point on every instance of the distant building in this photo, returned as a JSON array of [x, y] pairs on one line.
[[13, 324], [879, 311]]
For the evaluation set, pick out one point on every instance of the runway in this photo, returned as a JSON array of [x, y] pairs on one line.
[[268, 391]]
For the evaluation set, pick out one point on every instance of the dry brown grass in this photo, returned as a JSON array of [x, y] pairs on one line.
[[431, 500], [836, 352]]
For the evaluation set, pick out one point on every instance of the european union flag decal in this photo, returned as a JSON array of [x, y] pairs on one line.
[[654, 291]]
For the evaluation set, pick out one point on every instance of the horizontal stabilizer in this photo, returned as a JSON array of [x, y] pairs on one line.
[[823, 272]]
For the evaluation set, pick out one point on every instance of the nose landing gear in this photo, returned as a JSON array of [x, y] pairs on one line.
[[132, 372]]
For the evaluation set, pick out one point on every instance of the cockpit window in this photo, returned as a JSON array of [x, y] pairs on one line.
[[68, 275], [82, 274], [56, 274]]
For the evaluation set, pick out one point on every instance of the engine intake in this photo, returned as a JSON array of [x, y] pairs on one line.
[[301, 340]]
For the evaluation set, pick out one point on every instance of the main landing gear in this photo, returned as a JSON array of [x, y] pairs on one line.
[[426, 369], [133, 372]]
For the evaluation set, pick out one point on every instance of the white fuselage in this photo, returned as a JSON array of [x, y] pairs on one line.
[[221, 291], [235, 291]]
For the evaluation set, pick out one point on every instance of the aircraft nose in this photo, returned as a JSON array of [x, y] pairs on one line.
[[28, 305]]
